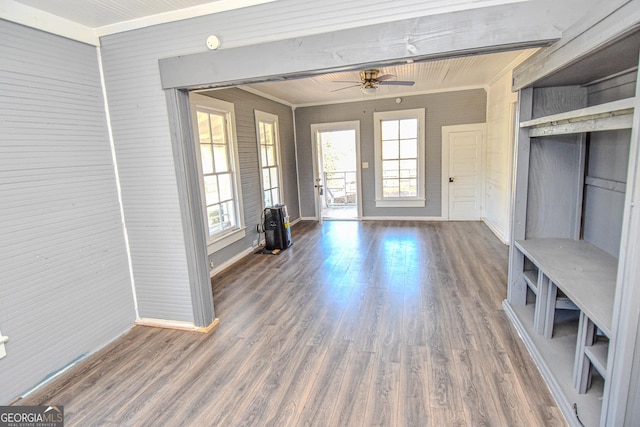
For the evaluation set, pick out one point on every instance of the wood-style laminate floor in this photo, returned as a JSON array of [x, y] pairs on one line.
[[357, 324]]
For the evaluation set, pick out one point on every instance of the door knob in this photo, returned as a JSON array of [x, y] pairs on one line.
[[451, 179]]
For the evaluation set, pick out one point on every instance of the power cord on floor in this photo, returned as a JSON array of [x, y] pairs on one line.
[[260, 228], [575, 409]]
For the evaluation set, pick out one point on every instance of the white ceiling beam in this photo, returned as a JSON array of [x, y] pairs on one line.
[[19, 13]]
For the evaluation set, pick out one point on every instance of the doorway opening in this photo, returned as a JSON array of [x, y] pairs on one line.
[[337, 154]]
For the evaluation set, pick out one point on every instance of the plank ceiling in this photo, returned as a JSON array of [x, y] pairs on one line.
[[432, 76], [99, 13]]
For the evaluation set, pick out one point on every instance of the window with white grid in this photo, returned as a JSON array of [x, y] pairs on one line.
[[218, 167], [399, 151], [268, 136]]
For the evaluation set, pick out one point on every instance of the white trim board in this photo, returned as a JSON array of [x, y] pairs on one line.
[[47, 22], [387, 218], [54, 375], [228, 263], [176, 324], [259, 93], [403, 218], [495, 230], [273, 119], [54, 24], [116, 173], [244, 253], [295, 151], [177, 15], [337, 126], [420, 199]]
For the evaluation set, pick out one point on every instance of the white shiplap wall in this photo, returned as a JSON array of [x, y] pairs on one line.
[[65, 287], [499, 151]]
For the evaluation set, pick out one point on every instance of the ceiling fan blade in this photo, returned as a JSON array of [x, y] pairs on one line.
[[397, 83], [385, 77], [346, 87]]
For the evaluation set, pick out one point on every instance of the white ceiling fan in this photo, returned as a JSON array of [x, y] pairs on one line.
[[370, 81]]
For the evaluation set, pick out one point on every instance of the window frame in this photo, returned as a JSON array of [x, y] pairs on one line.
[[264, 117], [415, 201], [207, 104]]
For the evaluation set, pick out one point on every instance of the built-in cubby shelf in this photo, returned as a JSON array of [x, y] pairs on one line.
[[563, 263], [531, 277], [572, 260], [597, 353], [586, 274], [555, 358], [607, 116]]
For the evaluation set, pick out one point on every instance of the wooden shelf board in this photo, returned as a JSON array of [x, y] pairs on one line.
[[620, 107], [531, 277], [595, 124], [586, 274], [607, 184], [597, 353], [555, 358], [565, 304]]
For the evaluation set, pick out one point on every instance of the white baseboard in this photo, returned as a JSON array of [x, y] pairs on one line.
[[387, 218], [176, 324], [403, 218], [495, 230], [231, 261], [243, 254], [48, 380]]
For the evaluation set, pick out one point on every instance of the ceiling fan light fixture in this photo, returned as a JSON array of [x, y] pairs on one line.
[[368, 90]]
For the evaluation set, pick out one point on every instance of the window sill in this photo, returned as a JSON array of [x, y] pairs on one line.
[[225, 240], [406, 203]]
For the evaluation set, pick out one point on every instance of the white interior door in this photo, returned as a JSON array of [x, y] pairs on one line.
[[463, 180]]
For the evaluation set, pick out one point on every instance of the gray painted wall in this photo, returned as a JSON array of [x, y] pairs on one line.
[[555, 165], [608, 159], [244, 104], [442, 109], [65, 287]]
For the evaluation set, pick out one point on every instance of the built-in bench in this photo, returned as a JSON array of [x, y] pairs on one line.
[[587, 276]]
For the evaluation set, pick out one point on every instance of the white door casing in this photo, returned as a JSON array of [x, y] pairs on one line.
[[463, 172], [316, 129]]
